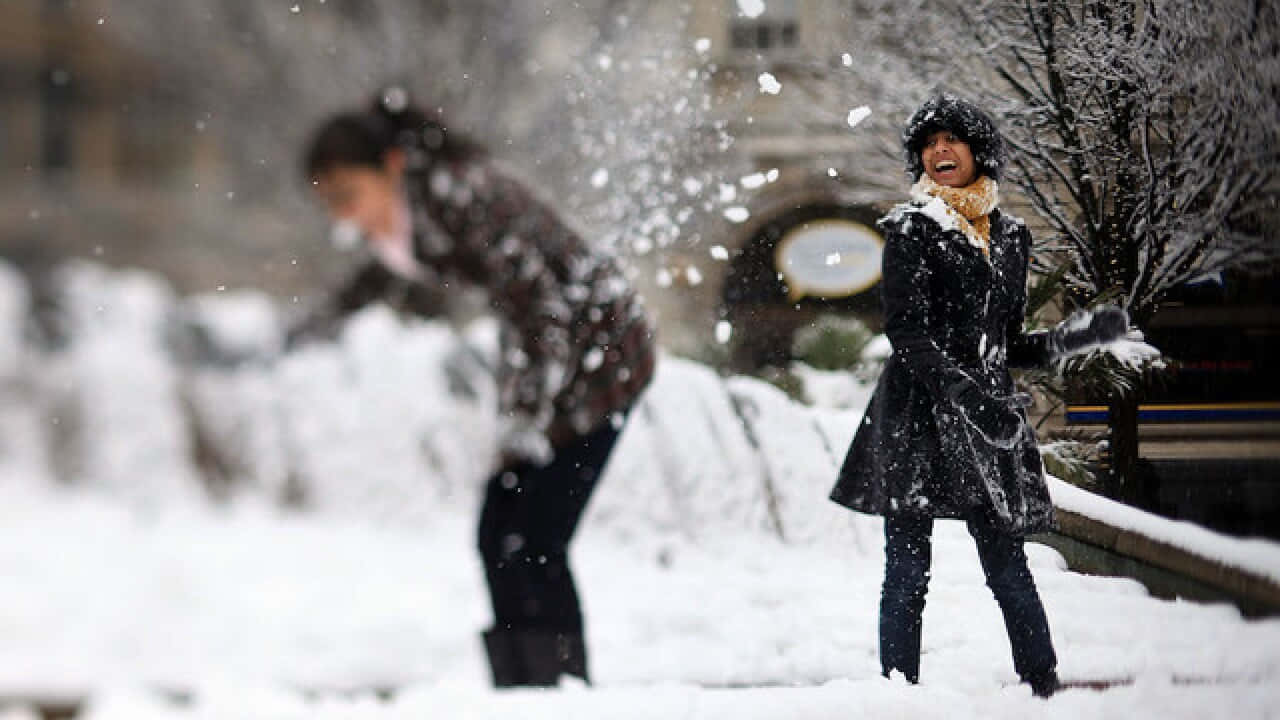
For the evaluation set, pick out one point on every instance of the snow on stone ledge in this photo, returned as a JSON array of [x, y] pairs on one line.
[[1259, 557]]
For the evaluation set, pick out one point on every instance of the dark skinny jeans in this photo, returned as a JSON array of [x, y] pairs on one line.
[[908, 553], [530, 515]]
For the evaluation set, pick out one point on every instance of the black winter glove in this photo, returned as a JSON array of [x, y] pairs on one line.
[[1088, 329], [996, 419]]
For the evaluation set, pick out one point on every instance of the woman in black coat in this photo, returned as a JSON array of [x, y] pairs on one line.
[[437, 216], [945, 435]]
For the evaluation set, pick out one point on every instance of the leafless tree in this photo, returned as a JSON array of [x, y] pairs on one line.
[[1144, 134]]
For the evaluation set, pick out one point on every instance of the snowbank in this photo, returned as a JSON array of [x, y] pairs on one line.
[[709, 556], [115, 389]]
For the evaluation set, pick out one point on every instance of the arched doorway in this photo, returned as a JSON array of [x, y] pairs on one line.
[[822, 257]]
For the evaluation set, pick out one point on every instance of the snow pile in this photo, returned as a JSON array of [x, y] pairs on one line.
[[235, 326], [115, 390], [304, 428]]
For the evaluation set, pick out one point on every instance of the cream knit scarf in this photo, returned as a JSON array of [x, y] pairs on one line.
[[970, 206]]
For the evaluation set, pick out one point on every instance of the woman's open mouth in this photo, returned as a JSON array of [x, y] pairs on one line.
[[945, 166]]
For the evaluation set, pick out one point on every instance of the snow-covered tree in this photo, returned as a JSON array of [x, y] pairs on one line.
[[1143, 132]]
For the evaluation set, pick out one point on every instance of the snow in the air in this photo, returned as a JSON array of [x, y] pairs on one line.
[[751, 8], [724, 331], [857, 115], [769, 84]]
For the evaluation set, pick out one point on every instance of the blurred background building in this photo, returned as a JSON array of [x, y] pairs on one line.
[[165, 136], [96, 146]]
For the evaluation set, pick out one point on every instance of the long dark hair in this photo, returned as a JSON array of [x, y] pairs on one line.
[[391, 121]]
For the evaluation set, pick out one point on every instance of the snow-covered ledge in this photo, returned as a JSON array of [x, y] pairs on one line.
[[1245, 569]]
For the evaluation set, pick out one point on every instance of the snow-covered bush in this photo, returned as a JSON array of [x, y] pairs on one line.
[[831, 342], [114, 399]]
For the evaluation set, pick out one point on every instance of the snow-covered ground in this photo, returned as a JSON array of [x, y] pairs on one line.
[[247, 608], [338, 558]]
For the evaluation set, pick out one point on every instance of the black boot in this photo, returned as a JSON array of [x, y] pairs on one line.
[[573, 656], [506, 658], [900, 642], [546, 654], [1043, 685]]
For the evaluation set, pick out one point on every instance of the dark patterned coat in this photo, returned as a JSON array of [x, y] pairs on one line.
[[948, 311], [576, 345]]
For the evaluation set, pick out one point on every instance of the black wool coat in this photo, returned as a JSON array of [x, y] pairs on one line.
[[949, 312]]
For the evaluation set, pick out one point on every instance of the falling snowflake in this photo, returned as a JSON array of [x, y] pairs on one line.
[[593, 359], [858, 114], [769, 84], [751, 8]]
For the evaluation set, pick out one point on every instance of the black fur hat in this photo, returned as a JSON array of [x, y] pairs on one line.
[[967, 121]]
